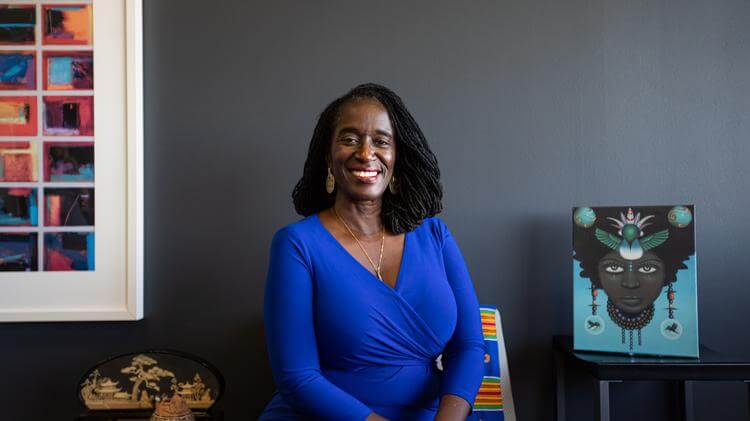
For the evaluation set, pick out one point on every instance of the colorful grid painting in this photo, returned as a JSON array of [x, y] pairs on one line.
[[47, 145]]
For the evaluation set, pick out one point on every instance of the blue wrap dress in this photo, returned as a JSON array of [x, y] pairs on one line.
[[343, 344]]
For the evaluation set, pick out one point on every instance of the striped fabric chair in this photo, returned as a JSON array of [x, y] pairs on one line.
[[495, 400]]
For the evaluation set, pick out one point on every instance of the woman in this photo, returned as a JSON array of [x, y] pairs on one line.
[[370, 288]]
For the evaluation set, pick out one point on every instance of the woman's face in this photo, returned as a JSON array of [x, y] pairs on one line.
[[363, 150], [632, 285]]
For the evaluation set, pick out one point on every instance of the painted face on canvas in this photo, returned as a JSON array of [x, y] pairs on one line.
[[363, 150], [631, 285]]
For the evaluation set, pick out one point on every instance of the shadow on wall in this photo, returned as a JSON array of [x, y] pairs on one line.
[[545, 240], [257, 369]]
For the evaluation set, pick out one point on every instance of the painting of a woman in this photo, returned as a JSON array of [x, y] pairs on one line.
[[631, 261]]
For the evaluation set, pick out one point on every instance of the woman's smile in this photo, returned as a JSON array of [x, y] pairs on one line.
[[367, 177]]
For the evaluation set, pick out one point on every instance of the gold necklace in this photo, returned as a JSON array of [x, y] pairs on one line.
[[382, 244]]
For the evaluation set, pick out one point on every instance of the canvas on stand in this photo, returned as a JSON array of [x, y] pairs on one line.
[[634, 280]]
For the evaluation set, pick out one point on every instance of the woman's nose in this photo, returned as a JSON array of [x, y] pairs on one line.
[[630, 280], [365, 151]]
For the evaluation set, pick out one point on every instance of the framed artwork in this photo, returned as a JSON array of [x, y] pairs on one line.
[[135, 382], [494, 401], [71, 160], [634, 280]]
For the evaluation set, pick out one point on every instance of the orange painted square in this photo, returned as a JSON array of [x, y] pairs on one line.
[[67, 24]]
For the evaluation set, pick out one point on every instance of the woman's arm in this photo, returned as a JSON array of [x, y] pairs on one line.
[[290, 335], [452, 408], [463, 357]]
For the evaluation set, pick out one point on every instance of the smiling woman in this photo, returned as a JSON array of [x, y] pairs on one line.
[[363, 151], [366, 291]]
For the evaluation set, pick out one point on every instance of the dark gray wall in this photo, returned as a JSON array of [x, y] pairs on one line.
[[531, 107]]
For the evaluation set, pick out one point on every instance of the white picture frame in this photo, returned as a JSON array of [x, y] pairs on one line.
[[113, 291]]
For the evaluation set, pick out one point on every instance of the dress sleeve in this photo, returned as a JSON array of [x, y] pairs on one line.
[[463, 357], [290, 336]]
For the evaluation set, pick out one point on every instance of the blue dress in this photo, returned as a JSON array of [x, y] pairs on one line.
[[343, 344]]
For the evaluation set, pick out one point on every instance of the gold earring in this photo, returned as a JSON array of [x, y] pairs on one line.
[[330, 182], [392, 185]]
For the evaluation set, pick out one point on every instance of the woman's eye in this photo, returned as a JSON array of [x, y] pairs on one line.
[[349, 140], [614, 268], [647, 269], [381, 142]]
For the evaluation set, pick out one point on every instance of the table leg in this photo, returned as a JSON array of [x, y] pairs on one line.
[[685, 400], [747, 382], [559, 381], [601, 389]]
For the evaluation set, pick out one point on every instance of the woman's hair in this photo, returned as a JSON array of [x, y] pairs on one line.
[[419, 192], [588, 251]]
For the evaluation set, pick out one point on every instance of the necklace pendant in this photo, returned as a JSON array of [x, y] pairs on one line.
[[382, 245]]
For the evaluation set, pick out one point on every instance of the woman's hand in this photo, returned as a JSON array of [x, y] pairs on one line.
[[452, 408], [375, 417]]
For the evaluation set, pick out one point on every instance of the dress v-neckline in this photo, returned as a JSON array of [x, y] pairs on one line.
[[341, 247]]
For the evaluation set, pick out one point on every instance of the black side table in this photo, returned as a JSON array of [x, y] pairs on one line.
[[608, 368]]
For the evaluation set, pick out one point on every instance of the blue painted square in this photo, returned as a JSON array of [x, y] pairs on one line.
[[61, 70]]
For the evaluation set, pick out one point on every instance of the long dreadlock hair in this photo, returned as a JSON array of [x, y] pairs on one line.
[[419, 194]]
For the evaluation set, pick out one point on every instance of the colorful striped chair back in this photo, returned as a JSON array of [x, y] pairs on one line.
[[495, 400]]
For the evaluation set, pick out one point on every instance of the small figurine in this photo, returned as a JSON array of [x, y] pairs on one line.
[[172, 409]]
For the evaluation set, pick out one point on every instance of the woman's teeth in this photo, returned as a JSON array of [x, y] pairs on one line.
[[365, 173]]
